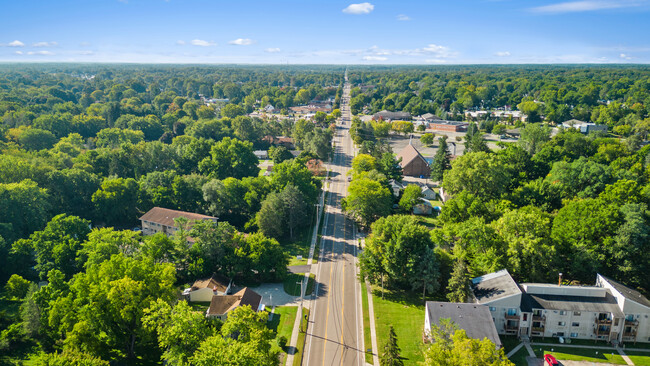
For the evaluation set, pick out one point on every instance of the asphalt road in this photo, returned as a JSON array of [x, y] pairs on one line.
[[335, 331]]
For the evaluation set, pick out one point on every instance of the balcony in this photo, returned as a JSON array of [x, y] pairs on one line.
[[538, 329], [632, 323], [603, 321], [539, 318], [512, 317]]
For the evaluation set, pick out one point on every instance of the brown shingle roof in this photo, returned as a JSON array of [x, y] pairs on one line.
[[408, 154], [215, 282], [223, 304], [165, 216]]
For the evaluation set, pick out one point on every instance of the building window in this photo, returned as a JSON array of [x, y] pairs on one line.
[[562, 312], [537, 312], [525, 317], [492, 308], [576, 313], [512, 311], [561, 324], [574, 324], [560, 334], [574, 335], [629, 317]]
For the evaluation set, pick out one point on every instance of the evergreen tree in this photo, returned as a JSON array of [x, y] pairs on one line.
[[458, 287], [441, 161], [390, 356]]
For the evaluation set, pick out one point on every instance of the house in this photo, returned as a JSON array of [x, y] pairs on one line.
[[413, 163], [584, 127], [203, 290], [423, 208], [396, 187], [449, 126], [221, 305], [160, 219], [606, 311], [261, 154], [269, 108], [474, 319], [392, 116], [429, 117], [428, 193]]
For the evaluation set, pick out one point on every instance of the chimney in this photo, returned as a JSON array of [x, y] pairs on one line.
[[559, 280]]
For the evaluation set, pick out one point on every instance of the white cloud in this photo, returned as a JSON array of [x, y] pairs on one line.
[[19, 52], [45, 44], [16, 43], [625, 56], [403, 17], [439, 51], [86, 53], [40, 53], [586, 5], [202, 43], [375, 58], [502, 54], [242, 42], [362, 8], [272, 50], [180, 42]]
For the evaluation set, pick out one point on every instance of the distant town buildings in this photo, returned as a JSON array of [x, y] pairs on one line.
[[391, 116], [584, 127]]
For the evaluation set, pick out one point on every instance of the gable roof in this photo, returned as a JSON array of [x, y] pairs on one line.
[[225, 303], [165, 216], [627, 292], [430, 116], [493, 286], [606, 304], [409, 154], [216, 283], [474, 319]]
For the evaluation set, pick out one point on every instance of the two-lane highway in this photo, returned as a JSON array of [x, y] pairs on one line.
[[335, 331]]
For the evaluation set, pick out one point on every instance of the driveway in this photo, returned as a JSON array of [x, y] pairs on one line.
[[273, 295]]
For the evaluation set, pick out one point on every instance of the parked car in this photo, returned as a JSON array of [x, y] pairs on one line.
[[550, 360]]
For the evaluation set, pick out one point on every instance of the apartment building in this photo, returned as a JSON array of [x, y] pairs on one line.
[[160, 219], [606, 311]]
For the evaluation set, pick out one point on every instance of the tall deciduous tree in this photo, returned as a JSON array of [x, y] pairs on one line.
[[230, 158], [367, 201], [479, 173]]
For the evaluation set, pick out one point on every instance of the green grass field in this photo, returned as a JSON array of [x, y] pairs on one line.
[[367, 341], [406, 314], [292, 287], [639, 358], [509, 342], [580, 354], [519, 358], [282, 323]]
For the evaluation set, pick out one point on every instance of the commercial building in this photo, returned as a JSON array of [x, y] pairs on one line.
[[448, 126], [584, 127]]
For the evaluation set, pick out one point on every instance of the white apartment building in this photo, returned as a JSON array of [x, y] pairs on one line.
[[607, 311]]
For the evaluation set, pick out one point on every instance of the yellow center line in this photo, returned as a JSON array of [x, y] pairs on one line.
[[329, 293]]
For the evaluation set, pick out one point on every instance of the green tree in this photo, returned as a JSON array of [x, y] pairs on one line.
[[427, 273], [25, 208], [458, 287], [279, 154], [296, 173], [389, 166], [411, 196], [271, 217], [367, 201], [363, 163], [533, 136], [116, 201], [263, 258], [296, 208], [36, 139], [71, 357], [427, 139], [390, 355], [441, 161], [17, 287], [230, 158], [479, 173]]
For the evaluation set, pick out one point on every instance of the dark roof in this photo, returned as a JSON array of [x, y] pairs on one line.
[[475, 319], [493, 286], [605, 304], [409, 154], [450, 123], [216, 282], [165, 216], [222, 304], [629, 293]]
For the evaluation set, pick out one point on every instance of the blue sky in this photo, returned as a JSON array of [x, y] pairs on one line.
[[323, 32]]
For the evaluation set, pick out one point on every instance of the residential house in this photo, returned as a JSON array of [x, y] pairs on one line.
[[474, 319], [424, 207], [606, 311], [269, 108], [221, 305], [413, 163], [396, 187], [584, 127], [261, 154], [428, 193], [392, 116], [203, 290], [160, 219]]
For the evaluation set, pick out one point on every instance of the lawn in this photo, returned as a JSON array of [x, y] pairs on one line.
[[509, 342], [282, 323], [300, 346], [639, 358], [367, 341], [292, 286], [405, 312], [299, 245], [519, 358], [580, 354]]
